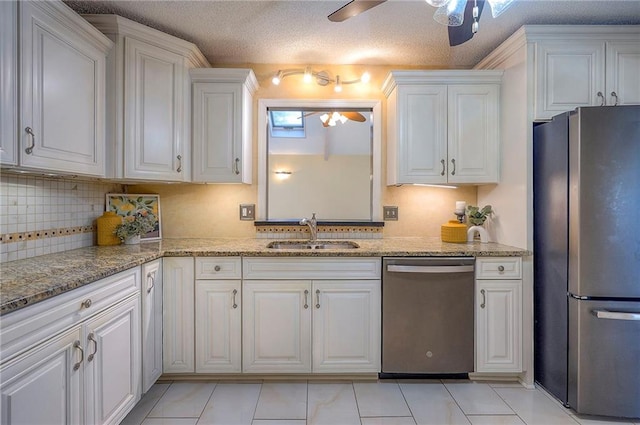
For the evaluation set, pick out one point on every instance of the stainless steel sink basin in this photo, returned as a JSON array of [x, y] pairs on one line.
[[312, 245]]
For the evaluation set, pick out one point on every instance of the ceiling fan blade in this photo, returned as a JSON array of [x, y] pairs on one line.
[[353, 8], [354, 116], [464, 33]]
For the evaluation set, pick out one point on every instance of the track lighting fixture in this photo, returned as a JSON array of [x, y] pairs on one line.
[[321, 77]]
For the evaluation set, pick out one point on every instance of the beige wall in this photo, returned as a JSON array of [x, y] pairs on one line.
[[200, 211]]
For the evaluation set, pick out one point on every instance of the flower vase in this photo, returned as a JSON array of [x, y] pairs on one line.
[[471, 234], [132, 240]]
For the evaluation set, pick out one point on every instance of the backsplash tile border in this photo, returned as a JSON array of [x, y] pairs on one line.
[[47, 233], [324, 232]]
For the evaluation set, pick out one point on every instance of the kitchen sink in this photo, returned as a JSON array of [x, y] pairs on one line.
[[312, 245]]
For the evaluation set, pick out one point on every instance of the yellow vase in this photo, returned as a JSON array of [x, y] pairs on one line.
[[106, 225], [453, 231]]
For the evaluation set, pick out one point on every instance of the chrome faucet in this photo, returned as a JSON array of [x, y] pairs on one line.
[[313, 226]]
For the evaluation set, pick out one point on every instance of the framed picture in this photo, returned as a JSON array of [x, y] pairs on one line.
[[131, 205]]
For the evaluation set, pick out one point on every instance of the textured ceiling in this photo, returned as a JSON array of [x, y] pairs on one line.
[[398, 32]]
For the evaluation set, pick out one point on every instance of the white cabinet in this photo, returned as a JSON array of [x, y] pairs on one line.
[[499, 315], [151, 323], [222, 124], [304, 315], [218, 315], [44, 386], [588, 71], [9, 82], [178, 315], [442, 126], [148, 103], [60, 89], [85, 343]]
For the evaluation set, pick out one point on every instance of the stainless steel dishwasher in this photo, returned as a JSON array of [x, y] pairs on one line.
[[427, 315]]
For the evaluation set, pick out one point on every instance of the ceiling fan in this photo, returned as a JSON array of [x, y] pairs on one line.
[[461, 16], [331, 118]]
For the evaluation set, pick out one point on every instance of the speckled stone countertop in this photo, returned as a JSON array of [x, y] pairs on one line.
[[26, 282]]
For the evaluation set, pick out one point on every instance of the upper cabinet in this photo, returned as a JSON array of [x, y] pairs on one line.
[[222, 124], [148, 102], [442, 126], [53, 96], [576, 69]]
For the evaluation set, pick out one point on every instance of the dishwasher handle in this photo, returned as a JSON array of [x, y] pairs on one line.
[[429, 269]]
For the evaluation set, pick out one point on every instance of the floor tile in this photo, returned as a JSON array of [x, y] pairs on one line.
[[279, 422], [505, 384], [144, 406], [377, 399], [231, 404], [332, 404], [388, 421], [170, 421], [282, 401], [432, 404], [183, 400], [600, 420], [533, 407], [478, 399], [495, 420]]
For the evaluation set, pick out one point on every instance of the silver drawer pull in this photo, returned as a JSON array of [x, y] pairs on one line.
[[86, 303], [500, 268], [235, 292], [29, 149], [151, 277], [92, 338], [179, 169], [317, 298], [617, 315], [601, 97], [237, 166], [79, 347], [217, 268], [484, 299], [615, 98], [429, 269], [306, 301], [443, 167]]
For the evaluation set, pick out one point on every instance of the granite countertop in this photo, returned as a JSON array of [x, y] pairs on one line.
[[26, 282]]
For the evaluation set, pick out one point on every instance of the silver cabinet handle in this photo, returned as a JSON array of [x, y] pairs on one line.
[[617, 315], [179, 169], [86, 303], [601, 97], [317, 298], [29, 148], [151, 277], [217, 268], [92, 338], [237, 166], [306, 301], [442, 162], [453, 162], [484, 299], [429, 269], [500, 268], [78, 345], [235, 292], [615, 98]]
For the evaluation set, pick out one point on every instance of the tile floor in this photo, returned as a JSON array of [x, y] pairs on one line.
[[385, 402]]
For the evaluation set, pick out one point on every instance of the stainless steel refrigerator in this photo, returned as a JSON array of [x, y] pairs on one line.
[[587, 259]]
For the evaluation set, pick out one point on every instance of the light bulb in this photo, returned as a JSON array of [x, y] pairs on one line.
[[307, 75], [338, 87], [335, 116], [277, 78], [366, 77], [324, 117], [343, 119], [437, 3]]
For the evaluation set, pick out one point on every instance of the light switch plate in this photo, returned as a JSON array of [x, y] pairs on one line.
[[390, 213], [247, 211]]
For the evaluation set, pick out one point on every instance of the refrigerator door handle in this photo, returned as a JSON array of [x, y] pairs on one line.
[[617, 315]]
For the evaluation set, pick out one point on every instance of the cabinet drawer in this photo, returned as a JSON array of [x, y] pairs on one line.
[[311, 268], [34, 324], [499, 268], [218, 268]]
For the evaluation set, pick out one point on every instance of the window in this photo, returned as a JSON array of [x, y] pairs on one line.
[[286, 123]]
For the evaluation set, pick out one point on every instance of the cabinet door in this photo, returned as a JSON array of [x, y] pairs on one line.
[[62, 95], [112, 347], [178, 304], [151, 323], [421, 151], [569, 74], [9, 82], [498, 326], [276, 325], [623, 76], [473, 133], [346, 326], [217, 133], [218, 326], [154, 113], [43, 386]]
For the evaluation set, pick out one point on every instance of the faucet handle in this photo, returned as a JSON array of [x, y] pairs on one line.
[[313, 216]]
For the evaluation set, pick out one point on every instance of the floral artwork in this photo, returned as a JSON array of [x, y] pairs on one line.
[[132, 207]]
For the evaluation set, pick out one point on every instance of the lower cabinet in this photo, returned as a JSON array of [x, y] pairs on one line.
[[151, 323], [498, 315], [178, 338]]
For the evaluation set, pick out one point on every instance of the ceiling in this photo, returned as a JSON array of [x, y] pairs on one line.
[[398, 32]]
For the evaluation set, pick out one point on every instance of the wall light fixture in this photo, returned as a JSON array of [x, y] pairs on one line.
[[322, 77]]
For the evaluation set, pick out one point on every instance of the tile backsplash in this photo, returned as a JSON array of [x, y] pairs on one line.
[[41, 215]]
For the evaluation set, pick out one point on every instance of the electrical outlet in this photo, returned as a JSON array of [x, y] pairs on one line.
[[247, 211], [390, 213]]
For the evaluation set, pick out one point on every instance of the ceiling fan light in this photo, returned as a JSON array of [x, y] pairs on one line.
[[451, 14], [437, 3], [343, 119], [499, 6], [366, 77], [277, 78], [324, 118], [308, 77], [338, 87]]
